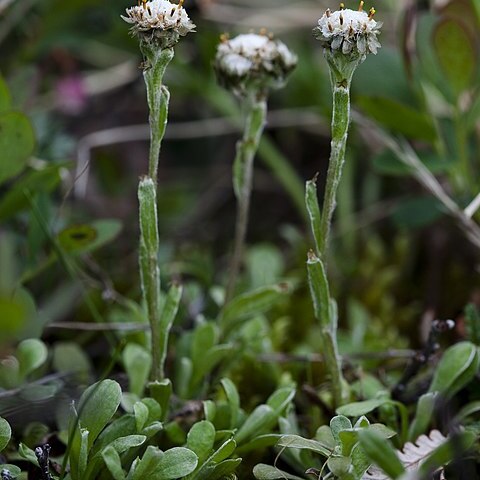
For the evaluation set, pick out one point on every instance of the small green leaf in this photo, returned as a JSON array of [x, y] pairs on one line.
[[423, 415], [387, 163], [175, 463], [138, 362], [233, 400], [161, 392], [15, 200], [114, 464], [457, 368], [5, 433], [281, 398], [28, 454], [76, 237], [472, 323], [319, 290], [339, 465], [124, 444], [200, 439], [121, 427], [69, 357], [82, 456], [417, 212], [222, 470], [148, 464], [140, 411], [399, 117], [265, 264], [339, 423], [169, 312], [31, 354], [261, 418], [97, 406], [456, 52], [313, 209], [12, 469], [295, 441], [260, 442], [267, 472], [17, 143], [79, 239], [381, 453], [356, 409], [252, 303], [224, 451]]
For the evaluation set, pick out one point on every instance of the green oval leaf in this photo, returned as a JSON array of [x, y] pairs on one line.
[[17, 142], [398, 117], [175, 463], [456, 52], [381, 453], [31, 354], [357, 409], [456, 369], [200, 439], [5, 433], [267, 472], [295, 441], [97, 406]]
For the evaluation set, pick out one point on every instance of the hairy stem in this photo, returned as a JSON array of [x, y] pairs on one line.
[[158, 98], [149, 268], [340, 122], [242, 183]]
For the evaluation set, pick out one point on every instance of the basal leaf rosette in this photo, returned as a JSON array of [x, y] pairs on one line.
[[159, 22], [253, 63], [348, 35]]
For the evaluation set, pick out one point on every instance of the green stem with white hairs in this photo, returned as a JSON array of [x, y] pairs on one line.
[[340, 81], [243, 181], [149, 267], [158, 96], [341, 72]]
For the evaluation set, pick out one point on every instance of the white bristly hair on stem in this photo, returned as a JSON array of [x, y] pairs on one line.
[[249, 65], [158, 24], [347, 37]]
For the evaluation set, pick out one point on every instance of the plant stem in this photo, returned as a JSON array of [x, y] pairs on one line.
[[340, 123], [158, 98], [242, 182], [149, 268]]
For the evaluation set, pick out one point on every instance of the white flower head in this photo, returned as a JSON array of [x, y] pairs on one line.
[[159, 21], [352, 33], [253, 63]]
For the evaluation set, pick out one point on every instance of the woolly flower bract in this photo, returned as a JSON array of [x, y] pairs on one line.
[[348, 31], [252, 62], [159, 19]]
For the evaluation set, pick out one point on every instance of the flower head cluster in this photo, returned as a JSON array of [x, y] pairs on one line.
[[159, 21], [350, 32], [252, 63]]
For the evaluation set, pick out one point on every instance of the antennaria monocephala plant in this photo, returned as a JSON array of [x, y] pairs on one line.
[[158, 24], [249, 65], [347, 36]]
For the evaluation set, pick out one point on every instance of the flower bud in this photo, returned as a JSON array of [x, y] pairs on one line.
[[251, 64], [352, 33], [159, 23]]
